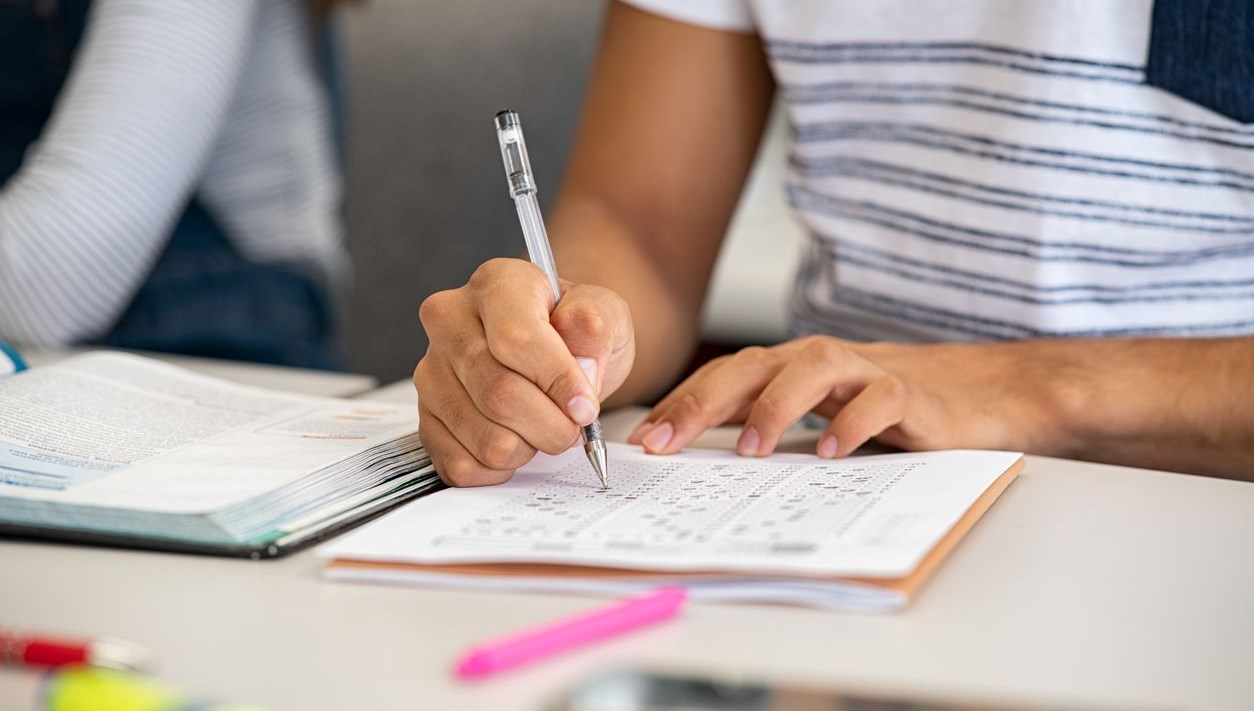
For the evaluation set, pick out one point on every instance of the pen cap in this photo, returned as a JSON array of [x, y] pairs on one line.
[[84, 688], [514, 153]]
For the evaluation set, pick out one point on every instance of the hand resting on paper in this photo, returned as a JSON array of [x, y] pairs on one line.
[[504, 378], [1158, 403], [913, 397]]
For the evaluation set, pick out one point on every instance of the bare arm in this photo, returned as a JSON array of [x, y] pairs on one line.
[[1173, 404], [670, 126]]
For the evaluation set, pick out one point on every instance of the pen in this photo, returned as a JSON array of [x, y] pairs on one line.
[[40, 651], [619, 618], [522, 187]]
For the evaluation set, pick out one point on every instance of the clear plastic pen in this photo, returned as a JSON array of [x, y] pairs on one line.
[[522, 187]]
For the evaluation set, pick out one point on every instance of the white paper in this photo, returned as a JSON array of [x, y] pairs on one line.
[[699, 510]]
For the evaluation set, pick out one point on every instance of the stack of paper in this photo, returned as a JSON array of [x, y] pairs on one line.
[[862, 533], [121, 449]]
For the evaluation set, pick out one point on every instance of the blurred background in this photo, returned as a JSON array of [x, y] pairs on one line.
[[426, 195], [207, 176]]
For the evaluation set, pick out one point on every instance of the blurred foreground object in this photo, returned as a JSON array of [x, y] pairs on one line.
[[27, 649], [82, 688], [644, 691]]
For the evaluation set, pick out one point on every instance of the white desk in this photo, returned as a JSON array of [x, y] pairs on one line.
[[1088, 583]]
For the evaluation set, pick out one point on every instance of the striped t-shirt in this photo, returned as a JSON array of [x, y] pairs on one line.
[[984, 169]]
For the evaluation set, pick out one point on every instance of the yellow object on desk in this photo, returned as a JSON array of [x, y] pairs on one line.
[[82, 688]]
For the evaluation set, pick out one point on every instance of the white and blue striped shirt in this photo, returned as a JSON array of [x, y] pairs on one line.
[[984, 170], [166, 99]]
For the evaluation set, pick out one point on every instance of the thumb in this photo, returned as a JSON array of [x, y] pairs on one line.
[[595, 325], [593, 369]]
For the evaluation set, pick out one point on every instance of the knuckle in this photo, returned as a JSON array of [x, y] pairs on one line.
[[819, 348], [436, 307], [421, 375], [768, 410], [753, 355], [824, 352], [460, 470], [590, 324], [491, 271], [895, 389], [512, 339], [691, 406], [498, 395], [501, 450]]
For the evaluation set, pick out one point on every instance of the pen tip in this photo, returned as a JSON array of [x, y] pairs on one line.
[[600, 464]]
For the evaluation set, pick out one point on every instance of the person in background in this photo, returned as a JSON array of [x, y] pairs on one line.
[[169, 178], [1032, 228]]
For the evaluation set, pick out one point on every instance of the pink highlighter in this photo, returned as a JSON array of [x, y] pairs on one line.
[[526, 647]]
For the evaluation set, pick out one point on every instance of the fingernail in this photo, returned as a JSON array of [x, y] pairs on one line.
[[659, 437], [639, 431], [589, 368], [749, 442], [828, 447], [581, 410]]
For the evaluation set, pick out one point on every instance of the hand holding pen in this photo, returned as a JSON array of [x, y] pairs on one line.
[[522, 188], [511, 369]]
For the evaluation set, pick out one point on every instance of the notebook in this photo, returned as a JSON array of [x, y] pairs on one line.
[[119, 449], [862, 534]]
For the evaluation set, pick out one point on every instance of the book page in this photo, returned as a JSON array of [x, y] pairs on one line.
[[699, 510], [112, 429]]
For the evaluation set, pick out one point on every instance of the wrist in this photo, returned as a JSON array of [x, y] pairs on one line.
[[1093, 395]]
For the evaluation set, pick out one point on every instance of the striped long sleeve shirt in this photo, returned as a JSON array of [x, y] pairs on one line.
[[166, 99]]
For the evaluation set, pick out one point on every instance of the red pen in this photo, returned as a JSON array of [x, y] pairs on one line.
[[41, 651]]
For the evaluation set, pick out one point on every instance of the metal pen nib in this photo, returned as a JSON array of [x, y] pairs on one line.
[[594, 447]]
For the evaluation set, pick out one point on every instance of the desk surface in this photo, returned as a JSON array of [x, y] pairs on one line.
[[1085, 582]]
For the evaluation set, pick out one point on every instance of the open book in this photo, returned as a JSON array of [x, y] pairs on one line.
[[860, 534], [120, 449]]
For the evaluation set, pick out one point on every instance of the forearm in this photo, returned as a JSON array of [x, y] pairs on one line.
[[594, 246], [670, 125], [1173, 404]]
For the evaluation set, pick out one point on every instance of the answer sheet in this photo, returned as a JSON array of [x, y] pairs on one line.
[[874, 516]]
